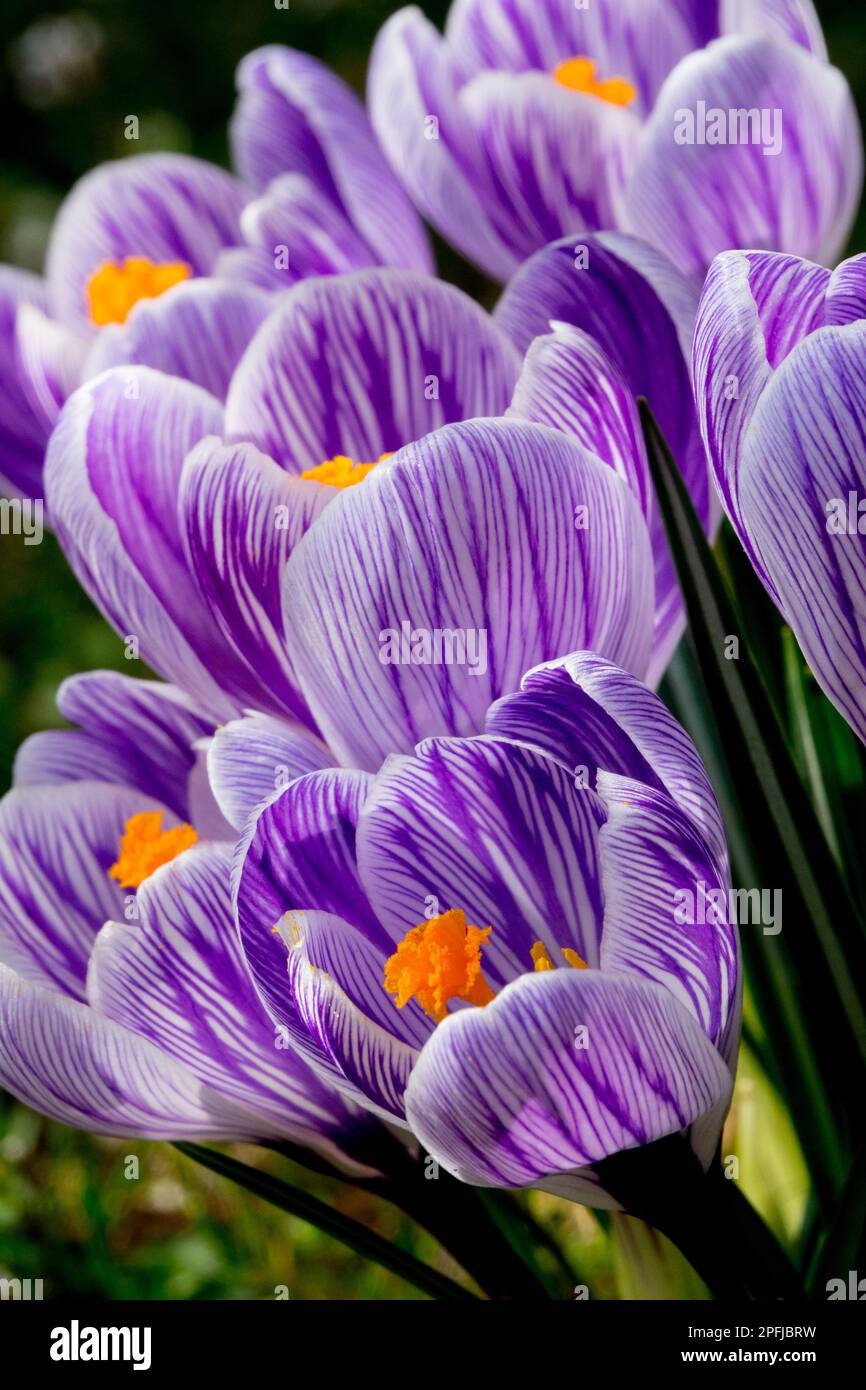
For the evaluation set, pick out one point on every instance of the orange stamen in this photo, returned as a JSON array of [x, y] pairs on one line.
[[114, 289], [145, 846], [438, 961], [579, 75], [341, 471]]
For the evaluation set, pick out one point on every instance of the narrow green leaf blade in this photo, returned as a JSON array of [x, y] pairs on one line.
[[824, 942], [358, 1238]]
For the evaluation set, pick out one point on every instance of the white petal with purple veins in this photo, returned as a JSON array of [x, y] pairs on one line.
[[561, 1070], [537, 549]]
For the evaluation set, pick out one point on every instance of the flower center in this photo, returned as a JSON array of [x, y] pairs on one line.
[[114, 288], [579, 75], [440, 960], [341, 471], [145, 846]]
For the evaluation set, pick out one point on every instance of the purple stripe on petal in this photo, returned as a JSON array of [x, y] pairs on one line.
[[328, 943], [495, 829], [294, 221], [788, 19], [67, 1062], [640, 40], [756, 306], [660, 922], [295, 116], [251, 758], [558, 160], [362, 364], [638, 310], [561, 1070], [412, 93], [112, 473], [369, 1062], [537, 549], [569, 384], [240, 518], [177, 977], [67, 755], [198, 330], [299, 852], [57, 844], [166, 207], [140, 733], [592, 716], [846, 292], [23, 430], [793, 186], [803, 470]]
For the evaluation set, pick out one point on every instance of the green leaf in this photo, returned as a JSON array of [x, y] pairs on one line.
[[832, 764], [358, 1238], [815, 970], [844, 1245]]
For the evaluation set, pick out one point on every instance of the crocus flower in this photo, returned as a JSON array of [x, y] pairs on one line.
[[780, 385], [601, 324], [165, 261], [696, 126], [220, 558], [490, 941], [125, 1002]]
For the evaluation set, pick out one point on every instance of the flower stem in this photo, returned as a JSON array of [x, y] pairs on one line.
[[707, 1218], [358, 1238]]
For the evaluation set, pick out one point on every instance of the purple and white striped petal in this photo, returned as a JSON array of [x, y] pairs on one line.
[[845, 301], [295, 223], [50, 360], [177, 978], [362, 364], [240, 518], [166, 207], [495, 829], [299, 852], [56, 846], [413, 88], [559, 160], [112, 476], [23, 430], [787, 19], [135, 733], [355, 1037], [252, 265], [198, 330], [569, 384], [667, 908], [204, 813], [639, 311], [561, 1070], [802, 475], [640, 40], [537, 549], [60, 1057], [593, 717], [756, 306], [250, 759], [794, 183], [295, 116]]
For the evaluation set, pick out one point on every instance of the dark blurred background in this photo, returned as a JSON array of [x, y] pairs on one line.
[[69, 74]]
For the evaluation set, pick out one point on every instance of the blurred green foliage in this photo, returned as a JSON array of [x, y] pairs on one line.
[[68, 1214]]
